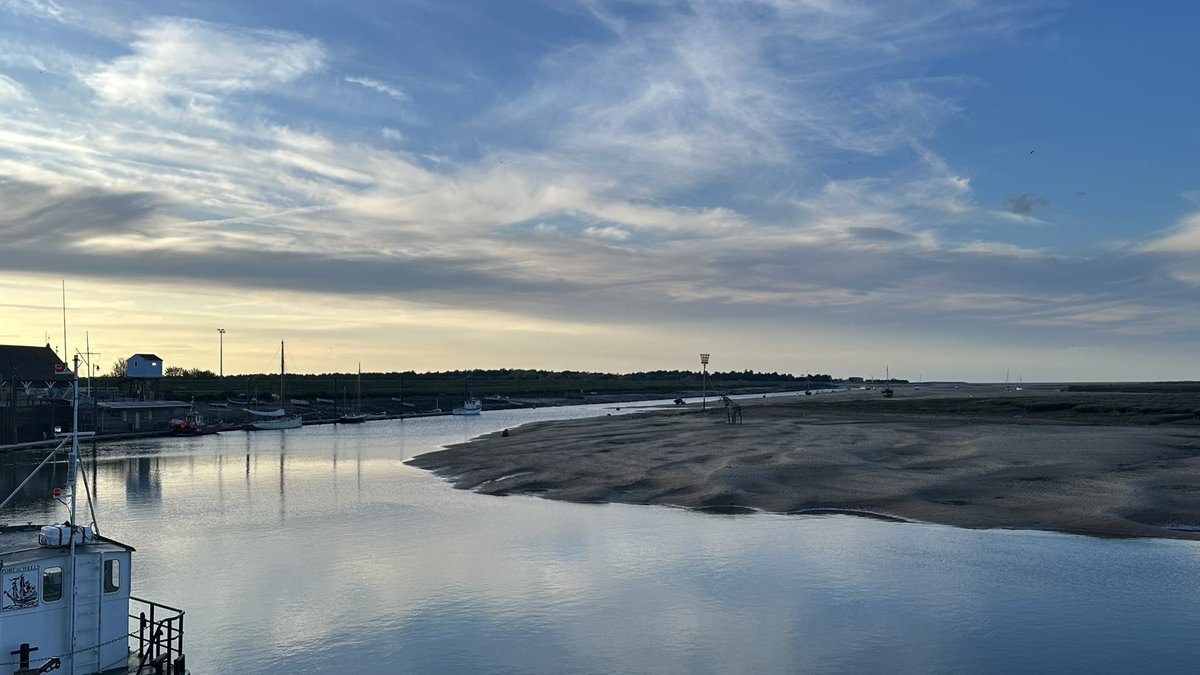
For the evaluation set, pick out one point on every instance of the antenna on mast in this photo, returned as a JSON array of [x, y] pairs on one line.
[[64, 307]]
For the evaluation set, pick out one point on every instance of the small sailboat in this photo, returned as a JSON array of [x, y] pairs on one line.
[[65, 597], [277, 419], [357, 416], [887, 391]]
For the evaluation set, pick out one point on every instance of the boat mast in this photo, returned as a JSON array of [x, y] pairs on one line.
[[72, 471], [281, 374]]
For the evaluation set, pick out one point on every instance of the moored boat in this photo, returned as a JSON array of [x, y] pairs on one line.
[[357, 416], [276, 417], [65, 597], [192, 424], [472, 406], [294, 422]]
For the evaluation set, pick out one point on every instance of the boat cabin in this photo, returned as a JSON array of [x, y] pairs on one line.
[[76, 611]]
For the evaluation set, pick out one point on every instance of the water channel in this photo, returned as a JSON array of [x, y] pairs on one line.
[[318, 550]]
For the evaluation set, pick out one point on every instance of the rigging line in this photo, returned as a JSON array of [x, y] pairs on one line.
[[33, 473], [91, 506]]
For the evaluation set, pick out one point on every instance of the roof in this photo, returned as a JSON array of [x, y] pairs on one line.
[[148, 357], [142, 405], [31, 363], [19, 544]]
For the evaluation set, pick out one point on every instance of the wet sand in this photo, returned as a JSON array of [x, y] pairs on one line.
[[1097, 464]]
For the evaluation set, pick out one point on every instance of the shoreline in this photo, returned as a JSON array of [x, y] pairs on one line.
[[1097, 465]]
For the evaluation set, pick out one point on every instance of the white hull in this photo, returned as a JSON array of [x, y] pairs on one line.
[[289, 423], [473, 406]]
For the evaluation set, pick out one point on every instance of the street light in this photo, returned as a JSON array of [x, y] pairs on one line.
[[704, 382], [221, 331]]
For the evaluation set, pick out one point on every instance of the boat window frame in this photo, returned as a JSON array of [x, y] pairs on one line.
[[46, 585], [112, 575]]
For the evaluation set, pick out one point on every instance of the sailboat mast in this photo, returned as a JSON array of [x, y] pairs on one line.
[[281, 373]]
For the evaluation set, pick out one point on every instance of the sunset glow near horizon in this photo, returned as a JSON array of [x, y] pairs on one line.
[[948, 190]]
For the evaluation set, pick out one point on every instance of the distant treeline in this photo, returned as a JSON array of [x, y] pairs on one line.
[[524, 374], [503, 382]]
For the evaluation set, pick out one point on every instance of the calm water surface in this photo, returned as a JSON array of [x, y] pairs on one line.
[[318, 551]]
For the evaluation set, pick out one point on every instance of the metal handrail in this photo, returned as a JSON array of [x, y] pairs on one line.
[[152, 643]]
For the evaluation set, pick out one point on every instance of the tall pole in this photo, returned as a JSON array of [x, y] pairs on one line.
[[72, 470], [221, 332], [64, 307], [704, 382]]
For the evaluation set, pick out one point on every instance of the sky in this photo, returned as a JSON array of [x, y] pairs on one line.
[[945, 189]]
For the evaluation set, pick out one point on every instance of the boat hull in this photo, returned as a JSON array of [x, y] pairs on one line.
[[291, 423]]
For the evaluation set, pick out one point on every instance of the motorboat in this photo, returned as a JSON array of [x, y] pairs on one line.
[[192, 424]]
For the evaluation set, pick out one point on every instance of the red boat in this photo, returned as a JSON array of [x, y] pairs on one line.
[[191, 425]]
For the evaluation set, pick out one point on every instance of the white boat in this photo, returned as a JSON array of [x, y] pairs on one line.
[[294, 422], [472, 406], [278, 412], [65, 597], [277, 421], [357, 416]]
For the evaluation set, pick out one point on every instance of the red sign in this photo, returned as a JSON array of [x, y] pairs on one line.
[[60, 368]]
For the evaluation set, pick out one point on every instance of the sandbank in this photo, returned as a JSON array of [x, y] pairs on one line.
[[1094, 464]]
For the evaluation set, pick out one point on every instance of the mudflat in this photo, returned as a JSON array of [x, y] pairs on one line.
[[1101, 464]]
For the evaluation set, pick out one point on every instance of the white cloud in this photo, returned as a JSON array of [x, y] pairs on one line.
[[610, 233], [380, 87], [40, 9], [11, 90], [1183, 238], [186, 63]]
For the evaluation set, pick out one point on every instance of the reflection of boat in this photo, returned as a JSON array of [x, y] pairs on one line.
[[278, 421], [472, 406], [65, 597]]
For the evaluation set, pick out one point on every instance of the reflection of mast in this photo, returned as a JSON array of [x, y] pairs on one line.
[[282, 494]]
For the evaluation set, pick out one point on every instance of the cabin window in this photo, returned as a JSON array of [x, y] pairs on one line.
[[112, 575], [52, 584]]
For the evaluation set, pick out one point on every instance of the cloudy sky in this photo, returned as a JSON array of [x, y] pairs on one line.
[[949, 188]]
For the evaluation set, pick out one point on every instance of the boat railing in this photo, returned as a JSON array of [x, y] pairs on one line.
[[159, 637]]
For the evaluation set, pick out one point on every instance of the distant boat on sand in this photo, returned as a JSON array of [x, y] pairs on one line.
[[472, 406]]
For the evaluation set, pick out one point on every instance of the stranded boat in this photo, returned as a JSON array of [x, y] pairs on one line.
[[65, 597], [472, 406]]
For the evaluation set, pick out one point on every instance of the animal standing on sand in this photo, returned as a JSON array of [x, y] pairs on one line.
[[733, 411]]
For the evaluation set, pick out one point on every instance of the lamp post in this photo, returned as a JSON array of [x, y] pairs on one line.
[[704, 382], [221, 332]]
